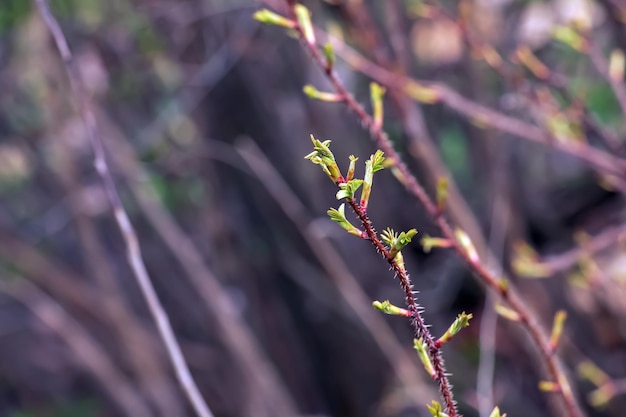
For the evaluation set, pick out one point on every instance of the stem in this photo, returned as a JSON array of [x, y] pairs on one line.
[[133, 250], [416, 319]]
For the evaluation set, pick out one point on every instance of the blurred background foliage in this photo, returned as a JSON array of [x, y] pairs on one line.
[[206, 127]]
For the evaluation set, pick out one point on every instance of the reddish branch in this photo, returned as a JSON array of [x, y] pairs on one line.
[[595, 157], [417, 321]]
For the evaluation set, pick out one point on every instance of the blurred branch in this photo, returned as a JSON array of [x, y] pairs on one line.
[[126, 229], [264, 383], [138, 342], [87, 350], [478, 113], [595, 244]]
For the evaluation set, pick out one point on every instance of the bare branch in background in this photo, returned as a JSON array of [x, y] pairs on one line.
[[126, 229]]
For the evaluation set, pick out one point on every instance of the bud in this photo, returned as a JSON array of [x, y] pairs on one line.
[[270, 18], [339, 217], [304, 20], [376, 94], [388, 308], [466, 243], [329, 54], [570, 37], [436, 410], [372, 165], [314, 93], [442, 193], [421, 349], [462, 320], [557, 328], [421, 93], [549, 386], [506, 312], [616, 66]]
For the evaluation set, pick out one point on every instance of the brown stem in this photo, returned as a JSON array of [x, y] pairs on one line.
[[454, 100], [417, 321]]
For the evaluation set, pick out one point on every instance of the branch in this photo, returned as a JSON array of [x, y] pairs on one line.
[[595, 244], [417, 322], [597, 158], [133, 250]]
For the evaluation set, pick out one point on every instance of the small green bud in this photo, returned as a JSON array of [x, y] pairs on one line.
[[617, 61], [270, 18], [329, 53], [352, 167], [421, 348], [429, 242], [589, 371], [462, 320], [314, 93], [395, 241], [496, 413], [442, 193], [600, 398], [549, 386], [388, 308], [322, 156], [422, 94], [339, 217], [304, 20], [557, 328], [436, 410], [348, 189], [372, 165], [526, 263], [571, 37], [466, 243], [506, 312], [376, 94]]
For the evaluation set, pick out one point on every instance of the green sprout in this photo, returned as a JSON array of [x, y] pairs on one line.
[[270, 18], [388, 308], [372, 165], [322, 156], [461, 321], [339, 216]]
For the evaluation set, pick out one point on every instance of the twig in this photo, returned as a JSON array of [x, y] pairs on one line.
[[508, 293], [597, 243], [133, 250]]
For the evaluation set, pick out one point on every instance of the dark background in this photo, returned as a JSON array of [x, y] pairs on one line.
[[206, 128]]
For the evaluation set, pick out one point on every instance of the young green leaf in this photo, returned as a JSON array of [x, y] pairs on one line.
[[339, 216]]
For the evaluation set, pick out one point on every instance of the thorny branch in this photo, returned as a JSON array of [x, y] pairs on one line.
[[417, 322]]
